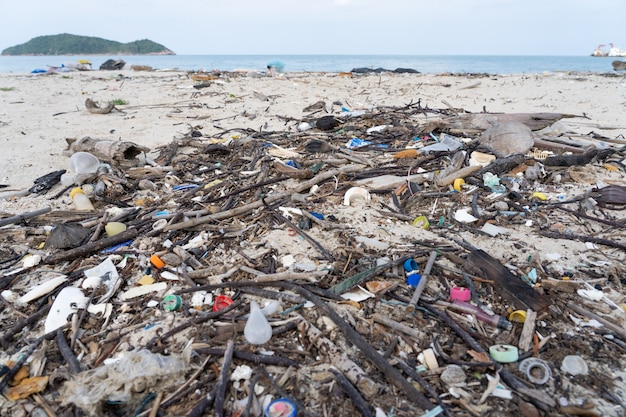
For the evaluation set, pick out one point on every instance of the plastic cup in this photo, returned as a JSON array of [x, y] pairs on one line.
[[83, 165]]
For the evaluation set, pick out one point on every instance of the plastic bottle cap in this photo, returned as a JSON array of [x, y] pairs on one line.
[[281, 407], [222, 301], [458, 183], [422, 222], [76, 190], [518, 316], [410, 265], [156, 261], [460, 294], [504, 353], [171, 302], [413, 279]]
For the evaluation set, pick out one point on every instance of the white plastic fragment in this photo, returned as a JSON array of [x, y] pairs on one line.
[[356, 193], [591, 294], [107, 272], [372, 243], [463, 216], [241, 372], [574, 365], [493, 230], [358, 294], [143, 290], [69, 301], [42, 289], [31, 260]]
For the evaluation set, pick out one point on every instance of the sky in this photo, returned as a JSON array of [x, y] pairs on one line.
[[272, 27]]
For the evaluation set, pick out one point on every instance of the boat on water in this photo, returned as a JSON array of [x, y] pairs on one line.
[[601, 51]]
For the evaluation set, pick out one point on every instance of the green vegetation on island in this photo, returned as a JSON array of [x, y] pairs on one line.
[[66, 44]]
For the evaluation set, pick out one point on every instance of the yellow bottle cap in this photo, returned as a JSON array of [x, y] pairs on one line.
[[518, 316], [75, 191]]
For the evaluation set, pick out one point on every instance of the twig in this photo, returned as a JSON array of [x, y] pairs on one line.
[[306, 236], [222, 382], [571, 236], [21, 217], [352, 392], [67, 353], [420, 286]]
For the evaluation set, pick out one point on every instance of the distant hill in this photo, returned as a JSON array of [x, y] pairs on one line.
[[66, 44]]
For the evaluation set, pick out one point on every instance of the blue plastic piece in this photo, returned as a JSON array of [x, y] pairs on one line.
[[413, 279], [355, 143], [410, 265], [291, 164], [116, 247], [317, 215]]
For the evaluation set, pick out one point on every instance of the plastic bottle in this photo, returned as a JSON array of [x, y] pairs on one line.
[[257, 331], [81, 201]]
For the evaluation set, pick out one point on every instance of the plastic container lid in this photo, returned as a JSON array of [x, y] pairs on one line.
[[281, 407], [460, 294]]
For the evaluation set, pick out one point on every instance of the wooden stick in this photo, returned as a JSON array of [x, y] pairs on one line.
[[21, 217], [222, 382]]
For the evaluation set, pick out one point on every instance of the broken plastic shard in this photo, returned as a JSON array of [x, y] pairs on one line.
[[69, 300]]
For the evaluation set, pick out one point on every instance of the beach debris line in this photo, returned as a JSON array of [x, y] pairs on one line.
[[306, 271]]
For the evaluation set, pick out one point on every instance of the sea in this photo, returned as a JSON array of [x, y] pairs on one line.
[[428, 64]]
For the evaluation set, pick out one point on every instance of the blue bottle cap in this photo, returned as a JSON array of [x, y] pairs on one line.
[[410, 265], [413, 279]]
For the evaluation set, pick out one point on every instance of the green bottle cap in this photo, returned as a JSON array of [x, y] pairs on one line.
[[171, 302]]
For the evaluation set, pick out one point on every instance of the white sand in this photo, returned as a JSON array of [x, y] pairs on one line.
[[39, 112]]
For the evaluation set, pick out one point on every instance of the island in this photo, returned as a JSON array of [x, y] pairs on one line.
[[67, 44]]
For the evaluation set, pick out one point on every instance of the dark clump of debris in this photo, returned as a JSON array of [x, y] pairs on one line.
[[394, 261]]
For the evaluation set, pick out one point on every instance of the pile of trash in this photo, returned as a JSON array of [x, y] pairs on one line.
[[388, 261]]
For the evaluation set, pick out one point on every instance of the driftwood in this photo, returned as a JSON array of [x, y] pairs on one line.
[[94, 108], [117, 153], [508, 285], [478, 122]]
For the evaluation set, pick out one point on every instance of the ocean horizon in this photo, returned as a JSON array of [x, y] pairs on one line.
[[428, 64]]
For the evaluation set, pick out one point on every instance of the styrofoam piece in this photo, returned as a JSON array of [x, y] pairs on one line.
[[69, 300], [42, 289], [356, 193]]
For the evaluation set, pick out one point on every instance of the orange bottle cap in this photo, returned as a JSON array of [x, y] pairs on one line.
[[156, 261]]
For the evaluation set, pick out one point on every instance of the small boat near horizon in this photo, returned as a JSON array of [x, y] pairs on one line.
[[613, 51]]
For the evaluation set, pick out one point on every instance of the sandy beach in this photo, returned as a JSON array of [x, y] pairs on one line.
[[214, 120], [40, 112]]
